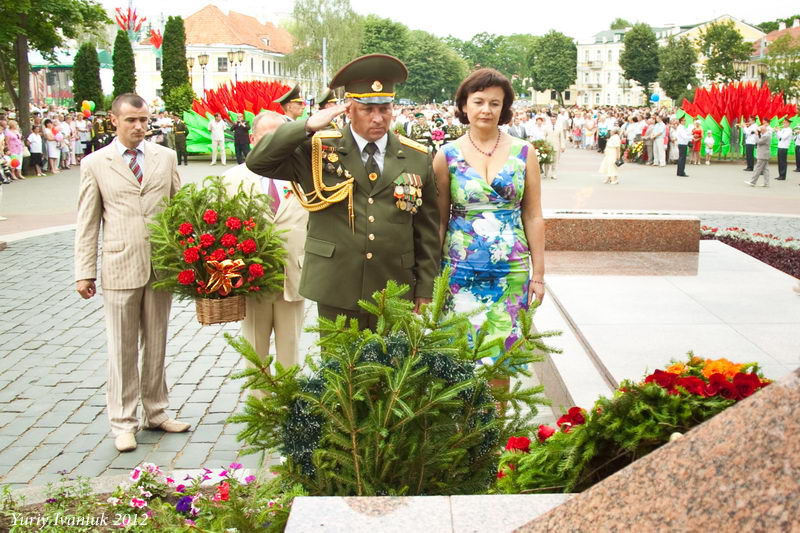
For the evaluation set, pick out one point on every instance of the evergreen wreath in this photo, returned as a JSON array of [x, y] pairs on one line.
[[403, 410]]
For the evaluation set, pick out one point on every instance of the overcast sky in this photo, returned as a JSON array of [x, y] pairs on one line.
[[579, 19]]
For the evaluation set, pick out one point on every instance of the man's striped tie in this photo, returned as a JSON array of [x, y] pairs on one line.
[[134, 164]]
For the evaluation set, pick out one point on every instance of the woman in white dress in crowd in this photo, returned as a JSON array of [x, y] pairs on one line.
[[608, 166]]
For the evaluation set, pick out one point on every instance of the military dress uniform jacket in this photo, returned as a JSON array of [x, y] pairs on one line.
[[343, 265]]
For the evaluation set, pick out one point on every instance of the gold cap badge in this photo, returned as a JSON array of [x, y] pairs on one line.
[[377, 86]]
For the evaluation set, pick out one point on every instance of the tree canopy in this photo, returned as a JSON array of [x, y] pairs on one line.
[[174, 71], [620, 23], [555, 63], [677, 61], [722, 44], [783, 60], [86, 76], [434, 69], [639, 57], [43, 25], [384, 36], [124, 65]]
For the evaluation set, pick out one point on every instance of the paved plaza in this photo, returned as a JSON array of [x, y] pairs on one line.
[[52, 343]]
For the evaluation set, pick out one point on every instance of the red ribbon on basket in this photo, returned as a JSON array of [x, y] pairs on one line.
[[223, 274]]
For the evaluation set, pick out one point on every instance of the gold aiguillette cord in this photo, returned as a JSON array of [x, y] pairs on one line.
[[316, 200]]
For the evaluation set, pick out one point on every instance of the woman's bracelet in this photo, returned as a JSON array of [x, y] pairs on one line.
[[537, 282]]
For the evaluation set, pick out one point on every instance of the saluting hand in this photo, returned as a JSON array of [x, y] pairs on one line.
[[321, 119]]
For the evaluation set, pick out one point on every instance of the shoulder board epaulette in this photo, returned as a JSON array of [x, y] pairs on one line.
[[328, 134], [412, 144]]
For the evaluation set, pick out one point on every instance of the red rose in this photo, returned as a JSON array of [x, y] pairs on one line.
[[248, 246], [522, 444], [190, 255], [228, 240], [218, 255], [185, 229], [662, 379], [186, 277], [233, 223], [692, 385], [210, 217], [746, 384], [502, 473], [256, 270], [545, 432], [206, 240]]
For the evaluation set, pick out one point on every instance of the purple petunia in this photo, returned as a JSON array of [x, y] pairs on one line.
[[184, 505]]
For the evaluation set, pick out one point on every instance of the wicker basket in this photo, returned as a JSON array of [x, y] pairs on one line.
[[219, 311]]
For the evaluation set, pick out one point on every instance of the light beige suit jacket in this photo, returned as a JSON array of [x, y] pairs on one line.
[[110, 196], [291, 218]]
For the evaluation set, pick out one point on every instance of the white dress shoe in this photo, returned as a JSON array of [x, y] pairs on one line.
[[125, 442]]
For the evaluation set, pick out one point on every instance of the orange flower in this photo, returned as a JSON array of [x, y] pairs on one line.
[[721, 366], [677, 368]]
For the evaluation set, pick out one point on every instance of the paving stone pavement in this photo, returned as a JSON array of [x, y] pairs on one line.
[[53, 374]]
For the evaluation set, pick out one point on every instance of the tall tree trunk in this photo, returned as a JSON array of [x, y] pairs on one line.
[[24, 91], [560, 98]]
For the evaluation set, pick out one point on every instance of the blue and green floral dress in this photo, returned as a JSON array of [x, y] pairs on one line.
[[485, 245]]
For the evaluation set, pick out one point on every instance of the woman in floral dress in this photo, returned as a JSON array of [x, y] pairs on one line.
[[492, 227]]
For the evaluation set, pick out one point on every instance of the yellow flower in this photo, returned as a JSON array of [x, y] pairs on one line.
[[677, 368], [721, 366]]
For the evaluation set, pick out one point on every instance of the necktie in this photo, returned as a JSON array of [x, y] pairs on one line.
[[134, 164], [273, 192], [373, 170]]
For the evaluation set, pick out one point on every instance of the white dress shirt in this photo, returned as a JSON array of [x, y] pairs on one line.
[[684, 136], [750, 134], [784, 138], [217, 129], [362, 142], [127, 157]]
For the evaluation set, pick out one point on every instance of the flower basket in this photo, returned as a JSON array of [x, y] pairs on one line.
[[216, 247], [544, 153], [219, 311]]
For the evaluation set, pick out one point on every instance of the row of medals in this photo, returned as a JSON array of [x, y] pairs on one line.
[[408, 192], [332, 158]]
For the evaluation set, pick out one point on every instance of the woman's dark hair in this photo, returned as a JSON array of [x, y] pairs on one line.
[[47, 121], [480, 80]]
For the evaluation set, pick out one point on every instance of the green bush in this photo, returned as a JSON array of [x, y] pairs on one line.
[[179, 99], [403, 410]]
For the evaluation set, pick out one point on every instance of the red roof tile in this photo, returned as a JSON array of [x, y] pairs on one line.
[[211, 26]]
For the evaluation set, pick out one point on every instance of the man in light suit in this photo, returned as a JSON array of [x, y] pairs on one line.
[[281, 313], [556, 135], [121, 189], [762, 145]]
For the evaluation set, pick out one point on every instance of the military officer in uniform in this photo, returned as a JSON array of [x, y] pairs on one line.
[[371, 194], [421, 131], [181, 131], [328, 99], [292, 103]]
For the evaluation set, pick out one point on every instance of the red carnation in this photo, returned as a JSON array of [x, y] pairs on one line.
[[746, 384], [501, 473], [662, 379], [186, 277], [522, 444], [692, 385], [207, 240], [574, 417], [185, 229], [210, 217], [190, 255], [256, 270], [218, 255], [545, 432], [228, 240], [233, 223], [248, 246]]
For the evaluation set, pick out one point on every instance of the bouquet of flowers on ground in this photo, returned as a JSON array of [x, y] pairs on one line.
[[213, 246], [437, 137], [635, 152], [544, 151], [587, 446]]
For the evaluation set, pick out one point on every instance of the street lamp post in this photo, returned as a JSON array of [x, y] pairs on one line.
[[203, 60], [189, 67], [762, 72], [739, 67], [235, 58]]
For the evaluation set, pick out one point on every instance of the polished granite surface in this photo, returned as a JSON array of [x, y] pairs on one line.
[[639, 310]]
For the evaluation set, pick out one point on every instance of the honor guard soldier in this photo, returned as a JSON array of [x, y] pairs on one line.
[[292, 103], [328, 99], [421, 131], [181, 132], [371, 195]]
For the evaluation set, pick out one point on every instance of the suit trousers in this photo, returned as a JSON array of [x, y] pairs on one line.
[[134, 318], [783, 154], [241, 152], [749, 152], [284, 318], [218, 145], [797, 157], [761, 169], [682, 159]]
